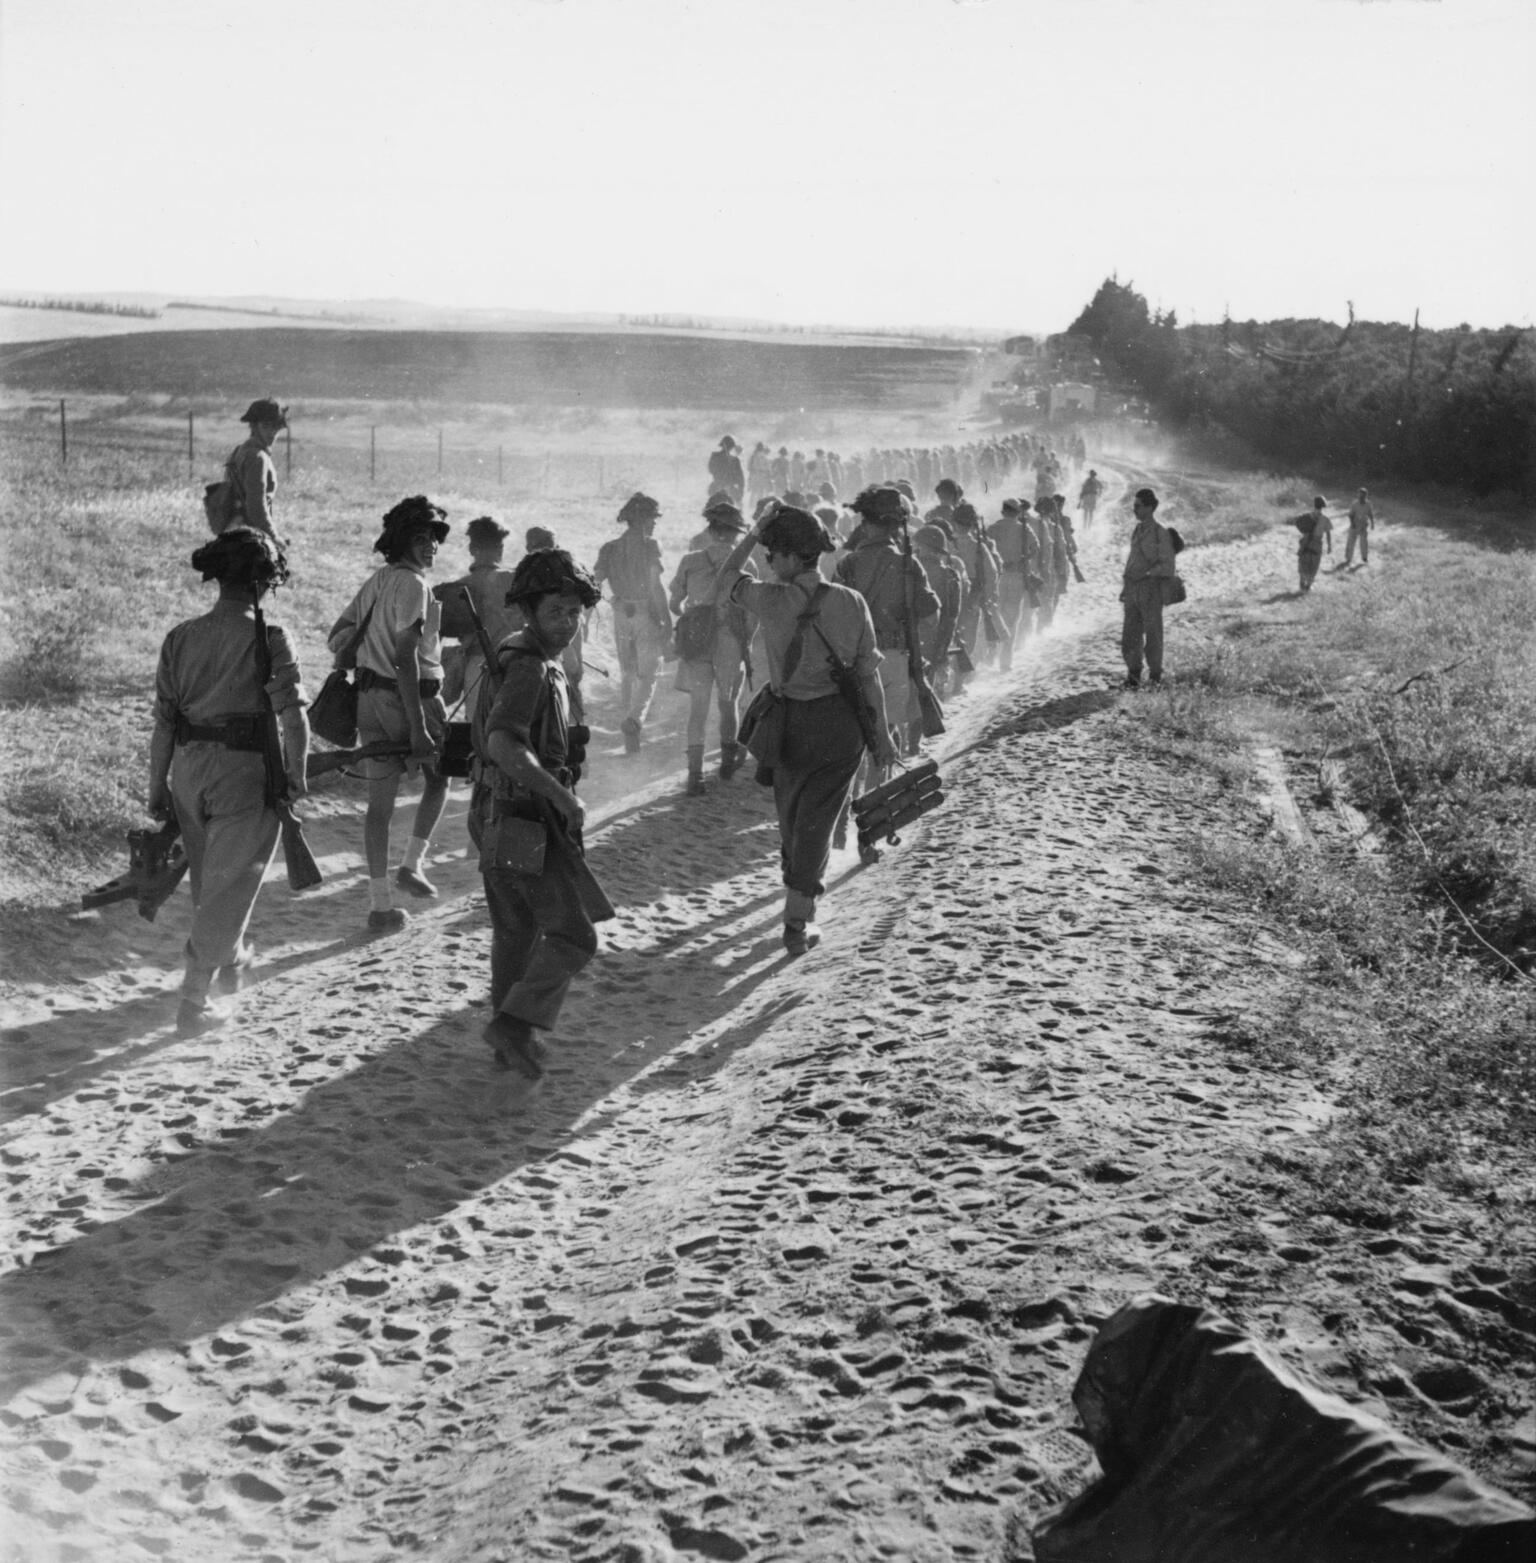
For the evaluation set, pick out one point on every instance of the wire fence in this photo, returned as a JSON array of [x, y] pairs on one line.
[[390, 457]]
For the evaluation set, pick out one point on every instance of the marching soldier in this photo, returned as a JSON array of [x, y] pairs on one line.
[[896, 590], [1088, 497], [981, 573], [1008, 535], [543, 900], [399, 681], [725, 474], [487, 585], [806, 622], [207, 768], [630, 566], [713, 638], [937, 635]]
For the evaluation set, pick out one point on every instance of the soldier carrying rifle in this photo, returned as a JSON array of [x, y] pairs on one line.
[[210, 761]]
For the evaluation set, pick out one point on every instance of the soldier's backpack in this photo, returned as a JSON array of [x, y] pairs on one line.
[[223, 503]]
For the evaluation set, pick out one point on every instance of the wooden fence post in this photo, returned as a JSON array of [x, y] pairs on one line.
[[63, 436]]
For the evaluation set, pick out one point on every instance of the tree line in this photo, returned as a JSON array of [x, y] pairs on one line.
[[1378, 398], [82, 306]]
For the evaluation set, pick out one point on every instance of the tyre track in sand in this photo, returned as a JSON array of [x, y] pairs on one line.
[[787, 1259]]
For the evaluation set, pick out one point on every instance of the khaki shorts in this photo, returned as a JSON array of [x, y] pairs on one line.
[[381, 718]]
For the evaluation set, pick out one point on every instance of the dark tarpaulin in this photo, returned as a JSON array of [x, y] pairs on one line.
[[1213, 1451]]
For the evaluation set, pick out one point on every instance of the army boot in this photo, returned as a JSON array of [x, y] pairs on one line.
[[731, 756], [695, 787]]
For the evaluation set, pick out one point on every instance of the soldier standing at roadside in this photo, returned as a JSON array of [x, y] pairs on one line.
[[207, 768], [250, 470], [642, 627], [1362, 521], [1149, 563]]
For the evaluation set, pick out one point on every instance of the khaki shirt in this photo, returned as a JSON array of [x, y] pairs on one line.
[[207, 668], [251, 470], [694, 583], [399, 597], [1151, 556], [1361, 515], [843, 619], [877, 571]]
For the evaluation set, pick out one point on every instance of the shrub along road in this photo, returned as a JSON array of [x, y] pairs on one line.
[[787, 1260]]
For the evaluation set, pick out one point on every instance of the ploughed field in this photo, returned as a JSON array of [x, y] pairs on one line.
[[548, 368]]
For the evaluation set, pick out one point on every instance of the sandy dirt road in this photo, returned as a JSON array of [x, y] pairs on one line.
[[786, 1260]]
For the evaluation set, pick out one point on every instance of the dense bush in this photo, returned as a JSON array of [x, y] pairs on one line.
[[1457, 406]]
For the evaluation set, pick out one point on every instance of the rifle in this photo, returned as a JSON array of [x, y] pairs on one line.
[[487, 650], [156, 863], [930, 711], [320, 763], [303, 870]]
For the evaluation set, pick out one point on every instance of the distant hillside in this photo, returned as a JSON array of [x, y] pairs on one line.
[[556, 368]]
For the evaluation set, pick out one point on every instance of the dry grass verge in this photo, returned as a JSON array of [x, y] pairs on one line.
[[1419, 673]]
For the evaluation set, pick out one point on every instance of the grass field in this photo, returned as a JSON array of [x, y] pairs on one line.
[[99, 549]]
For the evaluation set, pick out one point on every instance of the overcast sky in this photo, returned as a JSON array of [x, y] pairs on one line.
[[982, 162]]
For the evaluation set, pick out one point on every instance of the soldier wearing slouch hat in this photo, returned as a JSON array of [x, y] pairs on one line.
[[207, 767], [544, 901]]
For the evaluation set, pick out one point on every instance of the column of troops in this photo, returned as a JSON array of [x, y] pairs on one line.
[[842, 609]]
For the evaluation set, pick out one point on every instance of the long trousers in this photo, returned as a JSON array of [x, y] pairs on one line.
[[229, 835], [541, 937], [1010, 606], [1141, 632], [811, 778], [638, 643], [1361, 535], [1307, 564]]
